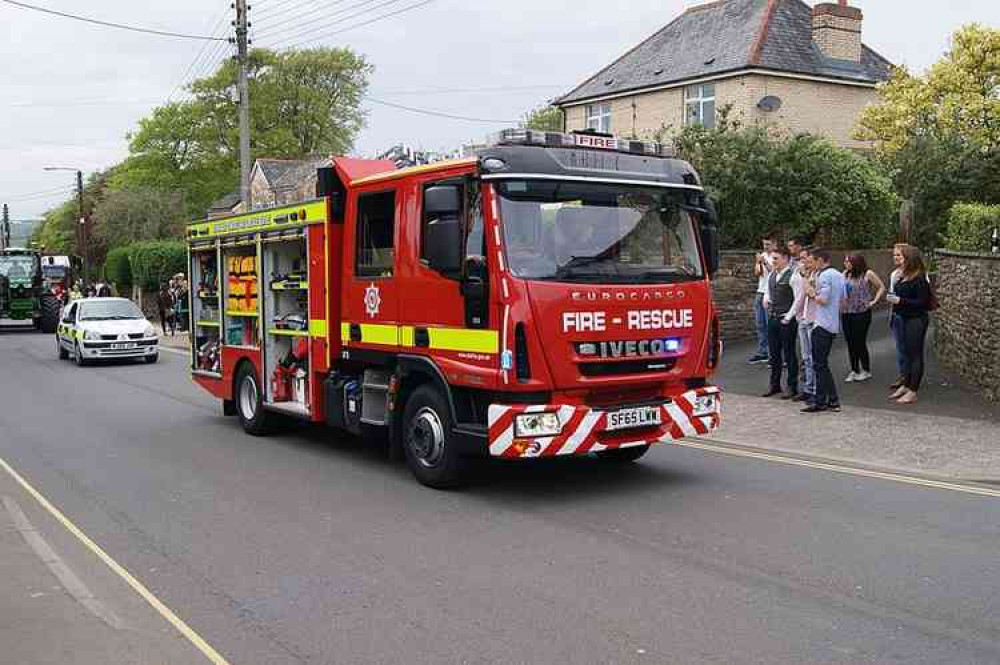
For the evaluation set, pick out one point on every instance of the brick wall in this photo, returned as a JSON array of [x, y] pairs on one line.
[[967, 325], [827, 109]]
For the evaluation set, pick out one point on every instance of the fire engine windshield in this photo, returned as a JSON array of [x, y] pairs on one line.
[[580, 232], [14, 266]]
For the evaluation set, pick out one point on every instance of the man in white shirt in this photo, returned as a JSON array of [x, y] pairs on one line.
[[804, 319], [763, 265], [779, 298]]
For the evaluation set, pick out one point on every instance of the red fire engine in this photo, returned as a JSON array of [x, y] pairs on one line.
[[549, 296]]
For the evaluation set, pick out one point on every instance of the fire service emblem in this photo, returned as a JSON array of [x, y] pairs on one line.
[[373, 301]]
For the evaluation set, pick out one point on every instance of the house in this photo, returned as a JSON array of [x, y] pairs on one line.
[[275, 182], [783, 62]]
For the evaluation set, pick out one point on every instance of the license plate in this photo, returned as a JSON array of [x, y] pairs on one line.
[[640, 416], [123, 347]]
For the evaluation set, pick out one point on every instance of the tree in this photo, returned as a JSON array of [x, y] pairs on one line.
[[939, 133], [545, 118], [126, 216]]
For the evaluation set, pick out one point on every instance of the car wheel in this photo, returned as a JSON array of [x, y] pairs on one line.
[[152, 359], [78, 355], [623, 455], [430, 452], [63, 353]]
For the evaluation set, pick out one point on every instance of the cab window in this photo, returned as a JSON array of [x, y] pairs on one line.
[[375, 252], [70, 315]]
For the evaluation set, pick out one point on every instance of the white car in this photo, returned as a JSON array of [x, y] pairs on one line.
[[105, 329]]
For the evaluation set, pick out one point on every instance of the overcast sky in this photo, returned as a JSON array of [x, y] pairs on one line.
[[70, 92]]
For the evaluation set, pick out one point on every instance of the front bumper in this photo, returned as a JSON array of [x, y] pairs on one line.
[[584, 429], [107, 350]]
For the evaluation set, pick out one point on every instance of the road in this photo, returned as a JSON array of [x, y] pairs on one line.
[[309, 548]]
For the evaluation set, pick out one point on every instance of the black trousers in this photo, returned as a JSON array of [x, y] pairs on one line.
[[826, 389], [914, 335], [856, 335], [781, 346]]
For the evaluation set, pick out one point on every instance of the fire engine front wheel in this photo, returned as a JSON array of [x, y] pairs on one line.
[[255, 420], [430, 454]]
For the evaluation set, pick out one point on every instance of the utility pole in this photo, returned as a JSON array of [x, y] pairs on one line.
[[242, 30], [5, 228], [82, 231]]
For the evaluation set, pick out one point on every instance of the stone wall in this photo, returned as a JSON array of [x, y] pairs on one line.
[[735, 287], [967, 330]]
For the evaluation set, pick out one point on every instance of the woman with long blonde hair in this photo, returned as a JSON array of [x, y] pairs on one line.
[[911, 299]]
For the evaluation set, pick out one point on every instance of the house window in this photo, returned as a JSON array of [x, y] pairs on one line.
[[376, 230], [599, 118], [699, 105]]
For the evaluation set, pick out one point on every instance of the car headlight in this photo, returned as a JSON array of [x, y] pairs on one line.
[[530, 425], [705, 405], [92, 336], [150, 331]]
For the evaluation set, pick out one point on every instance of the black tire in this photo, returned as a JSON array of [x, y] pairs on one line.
[[249, 398], [623, 455], [63, 353], [229, 407], [49, 321], [427, 441], [78, 356], [152, 359]]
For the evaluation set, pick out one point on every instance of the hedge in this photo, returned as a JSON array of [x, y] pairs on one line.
[[117, 268], [154, 262], [970, 226]]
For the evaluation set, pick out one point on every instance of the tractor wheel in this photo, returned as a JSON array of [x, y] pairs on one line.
[[622, 455], [63, 353], [427, 441], [49, 320]]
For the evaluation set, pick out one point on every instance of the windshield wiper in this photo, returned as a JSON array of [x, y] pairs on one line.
[[576, 262]]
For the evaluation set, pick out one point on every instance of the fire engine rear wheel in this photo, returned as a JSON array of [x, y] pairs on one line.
[[623, 455], [430, 453], [255, 419]]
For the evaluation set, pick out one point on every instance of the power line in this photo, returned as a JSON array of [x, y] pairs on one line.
[[453, 91], [440, 114], [80, 102], [269, 10], [201, 52], [108, 24], [323, 26], [41, 196], [269, 28], [30, 194], [362, 24]]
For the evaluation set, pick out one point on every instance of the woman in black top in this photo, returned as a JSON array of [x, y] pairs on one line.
[[911, 298]]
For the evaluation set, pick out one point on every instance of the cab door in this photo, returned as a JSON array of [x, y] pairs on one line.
[[67, 327], [371, 296]]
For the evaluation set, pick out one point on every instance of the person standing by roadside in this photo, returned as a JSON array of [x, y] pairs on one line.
[[763, 265], [862, 291], [895, 325], [826, 297], [804, 322], [779, 298], [165, 306], [912, 300]]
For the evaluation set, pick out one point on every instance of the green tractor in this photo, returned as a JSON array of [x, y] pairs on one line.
[[23, 294]]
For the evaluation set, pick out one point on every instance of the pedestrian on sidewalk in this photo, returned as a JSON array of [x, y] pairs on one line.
[[763, 264], [779, 299], [805, 321], [826, 297], [895, 321], [863, 289], [165, 305], [913, 300]]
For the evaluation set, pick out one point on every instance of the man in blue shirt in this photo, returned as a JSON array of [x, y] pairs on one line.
[[826, 297]]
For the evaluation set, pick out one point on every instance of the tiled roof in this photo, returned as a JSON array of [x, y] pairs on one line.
[[728, 36], [226, 203]]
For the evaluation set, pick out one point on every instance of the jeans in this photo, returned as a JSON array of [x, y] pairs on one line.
[[760, 317], [914, 334], [856, 335], [896, 326], [826, 389], [805, 344], [781, 343]]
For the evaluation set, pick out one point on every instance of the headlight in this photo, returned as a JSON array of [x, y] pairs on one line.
[[91, 335], [537, 424], [705, 405], [150, 331]]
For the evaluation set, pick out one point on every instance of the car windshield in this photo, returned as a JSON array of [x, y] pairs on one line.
[[109, 310], [579, 232], [17, 267]]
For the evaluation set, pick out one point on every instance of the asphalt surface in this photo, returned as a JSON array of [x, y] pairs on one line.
[[311, 548]]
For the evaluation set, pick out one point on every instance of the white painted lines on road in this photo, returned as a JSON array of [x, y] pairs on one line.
[[69, 580], [194, 638], [736, 450]]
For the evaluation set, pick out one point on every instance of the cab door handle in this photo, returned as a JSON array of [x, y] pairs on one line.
[[421, 337], [355, 332]]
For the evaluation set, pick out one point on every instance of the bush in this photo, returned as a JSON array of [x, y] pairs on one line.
[[970, 226], [154, 262], [117, 269]]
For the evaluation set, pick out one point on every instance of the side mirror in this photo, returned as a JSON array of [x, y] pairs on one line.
[[710, 237], [443, 244], [443, 201]]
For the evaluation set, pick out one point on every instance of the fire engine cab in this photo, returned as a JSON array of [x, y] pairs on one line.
[[549, 296]]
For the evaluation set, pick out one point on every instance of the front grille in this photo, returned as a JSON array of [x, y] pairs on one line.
[[109, 338], [135, 335], [627, 367]]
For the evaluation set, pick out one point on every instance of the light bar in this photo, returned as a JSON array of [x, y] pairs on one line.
[[588, 141]]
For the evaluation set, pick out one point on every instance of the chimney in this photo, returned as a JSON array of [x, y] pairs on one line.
[[836, 30]]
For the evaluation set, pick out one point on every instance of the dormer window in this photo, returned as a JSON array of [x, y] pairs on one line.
[[699, 105]]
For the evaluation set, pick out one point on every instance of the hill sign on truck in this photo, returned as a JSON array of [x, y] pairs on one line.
[[548, 297]]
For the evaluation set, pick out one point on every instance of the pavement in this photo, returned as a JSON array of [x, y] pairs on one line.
[[309, 547], [952, 432]]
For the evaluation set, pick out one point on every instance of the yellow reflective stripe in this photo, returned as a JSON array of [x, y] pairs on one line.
[[372, 333], [407, 335], [345, 332], [317, 327], [462, 339], [275, 219]]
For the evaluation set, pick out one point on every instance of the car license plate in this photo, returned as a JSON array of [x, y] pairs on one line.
[[123, 347], [640, 416]]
